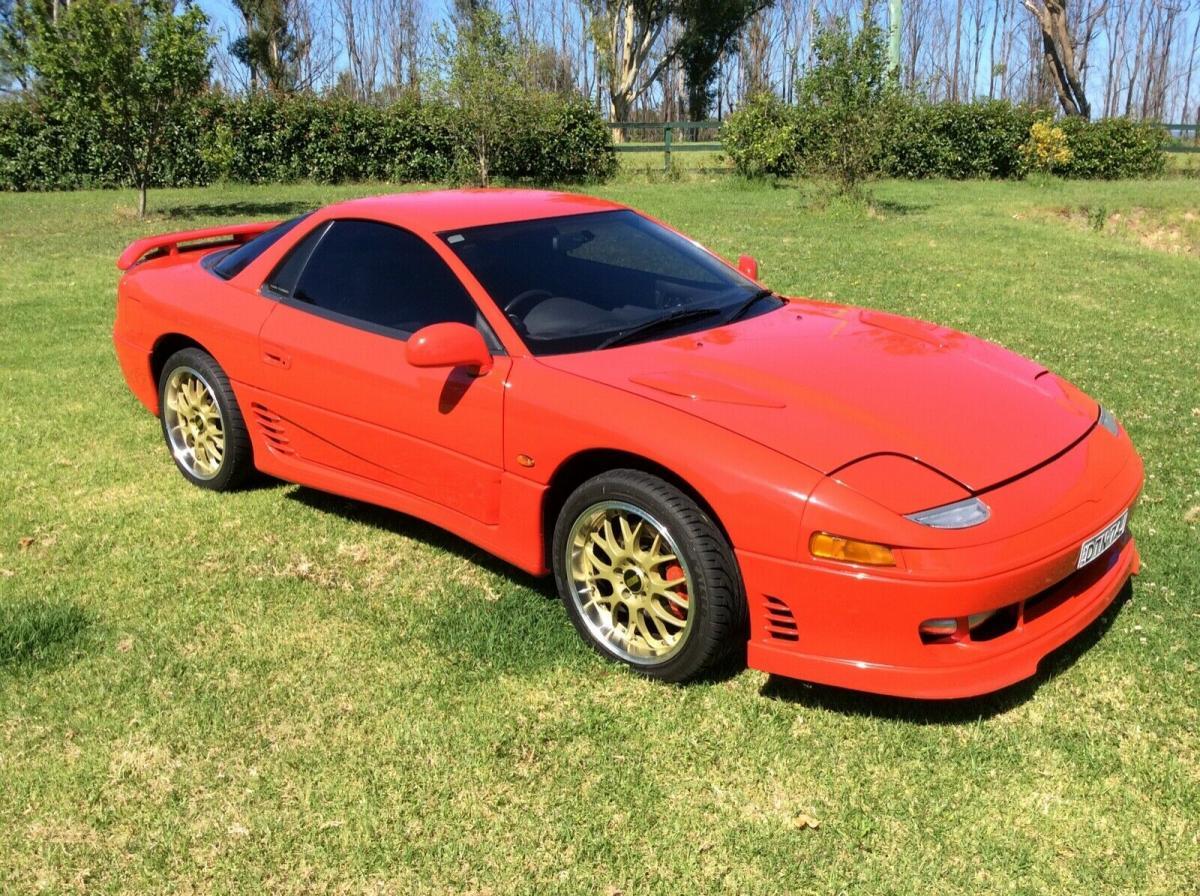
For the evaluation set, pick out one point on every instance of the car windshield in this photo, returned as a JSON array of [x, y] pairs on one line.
[[583, 282]]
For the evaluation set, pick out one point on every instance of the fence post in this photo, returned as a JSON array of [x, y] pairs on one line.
[[666, 149]]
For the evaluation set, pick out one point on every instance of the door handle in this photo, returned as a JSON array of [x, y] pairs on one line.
[[277, 358]]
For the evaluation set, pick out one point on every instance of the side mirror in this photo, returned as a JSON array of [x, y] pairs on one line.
[[748, 266], [449, 345]]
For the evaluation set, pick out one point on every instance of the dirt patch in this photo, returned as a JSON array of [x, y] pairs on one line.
[[1173, 231]]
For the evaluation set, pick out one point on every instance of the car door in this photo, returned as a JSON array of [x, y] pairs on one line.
[[341, 392]]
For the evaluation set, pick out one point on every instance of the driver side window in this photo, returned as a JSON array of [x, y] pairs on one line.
[[372, 274]]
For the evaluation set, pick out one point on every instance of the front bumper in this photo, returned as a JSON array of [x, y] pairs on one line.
[[963, 668], [859, 628]]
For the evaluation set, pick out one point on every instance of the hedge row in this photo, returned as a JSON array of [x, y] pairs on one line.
[[273, 140], [952, 140]]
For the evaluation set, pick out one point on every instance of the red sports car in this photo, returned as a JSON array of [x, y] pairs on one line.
[[857, 498]]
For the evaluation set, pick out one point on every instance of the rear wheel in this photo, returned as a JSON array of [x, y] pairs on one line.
[[646, 576], [201, 422]]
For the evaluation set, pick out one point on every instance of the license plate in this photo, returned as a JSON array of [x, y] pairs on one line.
[[1102, 541]]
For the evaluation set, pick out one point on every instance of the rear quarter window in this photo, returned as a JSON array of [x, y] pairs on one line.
[[229, 264]]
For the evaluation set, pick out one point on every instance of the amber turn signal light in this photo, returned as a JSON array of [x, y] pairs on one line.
[[847, 550]]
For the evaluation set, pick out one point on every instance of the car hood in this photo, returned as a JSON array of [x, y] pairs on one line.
[[828, 385]]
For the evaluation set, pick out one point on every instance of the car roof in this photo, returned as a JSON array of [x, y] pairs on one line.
[[436, 211]]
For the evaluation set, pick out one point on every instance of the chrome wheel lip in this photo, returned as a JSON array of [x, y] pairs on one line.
[[608, 636], [176, 426]]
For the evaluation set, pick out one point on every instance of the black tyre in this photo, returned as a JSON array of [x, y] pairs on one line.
[[647, 577], [202, 423]]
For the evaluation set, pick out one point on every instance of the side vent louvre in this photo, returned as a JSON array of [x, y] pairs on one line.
[[781, 624], [272, 427]]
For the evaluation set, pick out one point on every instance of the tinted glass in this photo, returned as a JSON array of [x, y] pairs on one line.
[[383, 276], [583, 281], [234, 262], [283, 279]]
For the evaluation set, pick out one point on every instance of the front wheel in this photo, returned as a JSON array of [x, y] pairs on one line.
[[647, 577]]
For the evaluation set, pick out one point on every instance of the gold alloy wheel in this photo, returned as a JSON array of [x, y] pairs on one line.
[[630, 583], [194, 425]]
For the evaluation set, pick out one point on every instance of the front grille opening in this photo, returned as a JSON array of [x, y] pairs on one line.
[[1046, 602], [781, 624], [993, 624], [997, 624]]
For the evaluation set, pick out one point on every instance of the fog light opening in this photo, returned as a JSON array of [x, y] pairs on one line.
[[941, 631]]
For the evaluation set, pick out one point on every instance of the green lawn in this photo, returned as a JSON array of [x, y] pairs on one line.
[[279, 691]]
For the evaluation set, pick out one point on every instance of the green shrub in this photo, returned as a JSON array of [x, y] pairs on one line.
[[556, 141], [763, 137], [1046, 150], [985, 139], [270, 139], [38, 151], [29, 159], [417, 142], [1113, 148], [957, 140], [277, 140]]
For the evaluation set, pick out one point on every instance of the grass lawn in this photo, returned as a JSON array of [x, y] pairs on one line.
[[286, 692]]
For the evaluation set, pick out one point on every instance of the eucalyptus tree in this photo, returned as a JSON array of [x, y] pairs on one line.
[[272, 45]]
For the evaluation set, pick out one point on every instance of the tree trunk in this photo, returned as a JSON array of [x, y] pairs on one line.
[[1184, 109], [618, 110], [955, 68], [141, 200], [1058, 47], [629, 37]]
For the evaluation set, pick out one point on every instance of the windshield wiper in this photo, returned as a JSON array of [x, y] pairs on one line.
[[741, 309], [676, 317]]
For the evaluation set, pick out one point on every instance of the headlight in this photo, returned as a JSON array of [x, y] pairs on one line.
[[959, 515], [1109, 422]]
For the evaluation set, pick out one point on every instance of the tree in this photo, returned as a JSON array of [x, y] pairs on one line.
[[627, 34], [13, 62], [271, 48], [1058, 46], [846, 98], [21, 21], [132, 68], [709, 27], [484, 82], [624, 32]]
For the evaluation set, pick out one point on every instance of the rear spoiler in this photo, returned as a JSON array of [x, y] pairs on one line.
[[173, 243]]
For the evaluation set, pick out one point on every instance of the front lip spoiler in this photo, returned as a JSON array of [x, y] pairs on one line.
[[990, 667]]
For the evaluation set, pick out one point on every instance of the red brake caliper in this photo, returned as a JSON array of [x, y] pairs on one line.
[[675, 571]]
